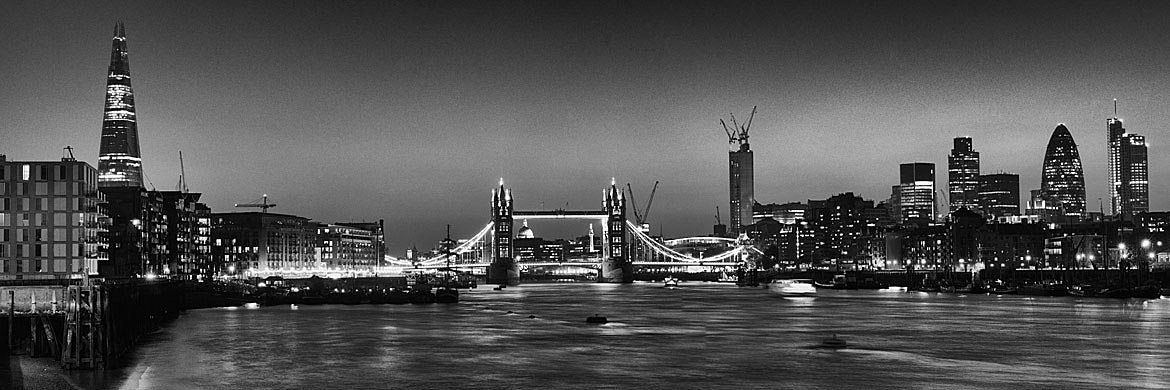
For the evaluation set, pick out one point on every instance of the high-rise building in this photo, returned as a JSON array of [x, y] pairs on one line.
[[1063, 179], [119, 161], [742, 187], [138, 234], [1135, 174], [963, 175], [1129, 186], [916, 192], [52, 225], [999, 195], [741, 176]]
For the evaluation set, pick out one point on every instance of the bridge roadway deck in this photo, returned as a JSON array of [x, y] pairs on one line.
[[596, 264], [561, 214]]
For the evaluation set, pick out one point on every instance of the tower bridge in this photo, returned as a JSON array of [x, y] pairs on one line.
[[624, 245]]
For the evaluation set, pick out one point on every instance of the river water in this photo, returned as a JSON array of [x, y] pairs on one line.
[[700, 336]]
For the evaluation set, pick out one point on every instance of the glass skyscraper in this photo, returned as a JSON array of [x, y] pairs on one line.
[[916, 192], [999, 194], [963, 175], [119, 162], [1063, 179], [741, 175], [1129, 186]]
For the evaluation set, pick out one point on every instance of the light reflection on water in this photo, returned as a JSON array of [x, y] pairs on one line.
[[702, 335]]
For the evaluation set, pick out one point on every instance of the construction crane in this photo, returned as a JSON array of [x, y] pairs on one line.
[[182, 186], [642, 216], [720, 228], [737, 132], [263, 205]]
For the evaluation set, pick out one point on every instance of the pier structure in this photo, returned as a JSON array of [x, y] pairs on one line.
[[86, 324]]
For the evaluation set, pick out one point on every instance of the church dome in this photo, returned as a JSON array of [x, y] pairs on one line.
[[525, 232]]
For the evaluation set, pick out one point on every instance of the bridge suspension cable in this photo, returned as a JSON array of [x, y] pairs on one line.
[[466, 246], [672, 254]]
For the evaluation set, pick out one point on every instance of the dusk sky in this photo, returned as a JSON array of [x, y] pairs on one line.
[[411, 111]]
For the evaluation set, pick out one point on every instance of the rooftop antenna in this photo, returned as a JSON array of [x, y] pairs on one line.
[[1114, 107]]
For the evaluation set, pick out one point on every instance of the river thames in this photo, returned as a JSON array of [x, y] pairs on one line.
[[700, 336]]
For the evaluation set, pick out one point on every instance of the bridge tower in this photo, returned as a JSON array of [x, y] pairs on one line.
[[615, 261], [503, 269]]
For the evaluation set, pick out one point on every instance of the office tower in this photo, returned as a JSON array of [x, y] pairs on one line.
[[916, 192], [1063, 179], [741, 175], [119, 162], [963, 175], [741, 178], [1135, 184], [999, 195], [1129, 188]]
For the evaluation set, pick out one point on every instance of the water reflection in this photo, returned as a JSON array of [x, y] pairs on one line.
[[698, 336]]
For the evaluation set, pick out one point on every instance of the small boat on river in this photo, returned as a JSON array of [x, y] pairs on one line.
[[793, 288], [833, 343]]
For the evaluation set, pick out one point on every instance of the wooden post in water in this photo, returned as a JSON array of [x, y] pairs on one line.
[[11, 316]]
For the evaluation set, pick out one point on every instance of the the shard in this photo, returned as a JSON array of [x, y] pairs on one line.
[[119, 162]]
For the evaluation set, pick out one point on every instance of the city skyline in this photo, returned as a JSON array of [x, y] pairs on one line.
[[355, 144]]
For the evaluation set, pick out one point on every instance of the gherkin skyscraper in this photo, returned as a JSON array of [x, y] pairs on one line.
[[119, 162], [1063, 179]]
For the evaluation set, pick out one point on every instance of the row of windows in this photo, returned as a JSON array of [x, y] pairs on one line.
[[44, 172], [43, 204], [44, 219], [42, 250], [58, 234], [42, 265]]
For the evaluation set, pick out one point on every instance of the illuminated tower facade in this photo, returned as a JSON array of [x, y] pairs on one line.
[[1129, 186], [963, 175], [1063, 179], [119, 162], [916, 192], [615, 263], [503, 268], [1135, 183], [741, 175]]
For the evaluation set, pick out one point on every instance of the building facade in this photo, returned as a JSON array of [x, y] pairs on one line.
[[377, 233], [916, 192], [963, 175], [346, 248], [999, 195], [1134, 187], [188, 255], [260, 243], [137, 234], [1063, 179], [119, 162], [1129, 188], [742, 182], [52, 224]]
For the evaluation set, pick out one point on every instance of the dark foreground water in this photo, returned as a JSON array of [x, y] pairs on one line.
[[700, 336]]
